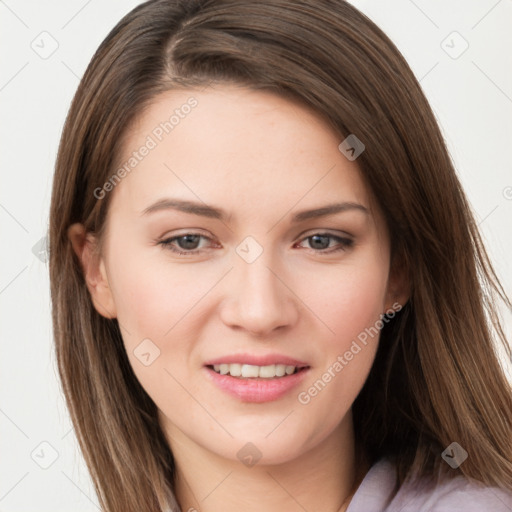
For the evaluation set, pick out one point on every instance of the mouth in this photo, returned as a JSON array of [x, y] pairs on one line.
[[249, 371], [256, 383]]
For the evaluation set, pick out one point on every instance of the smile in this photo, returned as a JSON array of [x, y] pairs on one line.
[[252, 371], [257, 384]]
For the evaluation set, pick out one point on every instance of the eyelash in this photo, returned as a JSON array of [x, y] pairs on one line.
[[345, 243]]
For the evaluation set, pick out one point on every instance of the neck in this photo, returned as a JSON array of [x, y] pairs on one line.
[[323, 478]]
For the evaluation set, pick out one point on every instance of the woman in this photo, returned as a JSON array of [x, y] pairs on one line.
[[268, 287]]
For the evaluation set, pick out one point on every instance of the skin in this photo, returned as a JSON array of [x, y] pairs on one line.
[[262, 158]]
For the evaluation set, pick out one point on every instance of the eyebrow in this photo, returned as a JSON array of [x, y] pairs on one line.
[[204, 210]]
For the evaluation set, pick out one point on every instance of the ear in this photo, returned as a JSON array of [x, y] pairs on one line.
[[399, 287], [93, 266]]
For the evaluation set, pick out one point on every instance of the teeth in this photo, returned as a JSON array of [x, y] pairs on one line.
[[280, 370], [267, 372], [249, 370], [235, 370]]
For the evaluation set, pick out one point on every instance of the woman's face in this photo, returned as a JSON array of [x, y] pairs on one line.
[[267, 278]]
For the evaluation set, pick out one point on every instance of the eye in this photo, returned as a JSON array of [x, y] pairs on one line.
[[188, 242], [319, 242]]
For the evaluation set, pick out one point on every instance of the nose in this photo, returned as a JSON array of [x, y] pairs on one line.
[[258, 299]]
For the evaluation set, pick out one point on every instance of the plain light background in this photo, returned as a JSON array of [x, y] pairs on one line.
[[460, 53]]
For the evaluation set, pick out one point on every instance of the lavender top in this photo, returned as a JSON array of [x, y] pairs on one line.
[[457, 494]]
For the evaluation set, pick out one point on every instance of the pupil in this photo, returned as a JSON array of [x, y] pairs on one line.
[[190, 241], [324, 240]]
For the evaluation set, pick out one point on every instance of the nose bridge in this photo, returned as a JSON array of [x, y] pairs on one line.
[[259, 302]]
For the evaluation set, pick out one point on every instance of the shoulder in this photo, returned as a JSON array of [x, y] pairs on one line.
[[456, 494], [453, 495]]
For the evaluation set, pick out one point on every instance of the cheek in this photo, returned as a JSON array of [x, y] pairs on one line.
[[153, 295], [350, 302], [160, 309], [141, 301], [155, 306], [349, 299]]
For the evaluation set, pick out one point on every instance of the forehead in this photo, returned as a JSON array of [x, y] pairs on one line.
[[252, 151]]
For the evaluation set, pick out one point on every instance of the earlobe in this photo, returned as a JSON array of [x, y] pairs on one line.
[[399, 290], [93, 266]]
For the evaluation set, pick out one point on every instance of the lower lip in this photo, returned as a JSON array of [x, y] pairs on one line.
[[256, 389]]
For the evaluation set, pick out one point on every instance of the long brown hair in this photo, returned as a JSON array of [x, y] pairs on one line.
[[436, 377]]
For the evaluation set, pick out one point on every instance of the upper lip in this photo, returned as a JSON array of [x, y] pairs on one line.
[[257, 360]]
